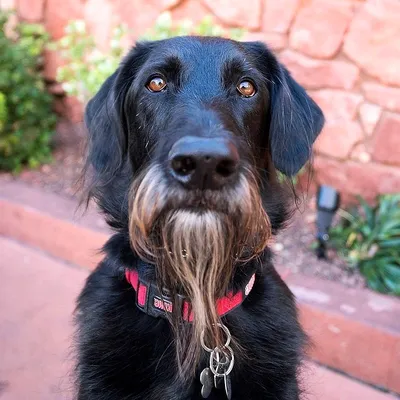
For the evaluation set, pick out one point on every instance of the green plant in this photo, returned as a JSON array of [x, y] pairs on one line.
[[86, 67], [368, 237], [165, 28], [26, 118], [293, 179], [3, 111]]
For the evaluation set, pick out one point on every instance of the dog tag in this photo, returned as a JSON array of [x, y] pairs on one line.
[[206, 379], [222, 361], [228, 387], [220, 366], [216, 381]]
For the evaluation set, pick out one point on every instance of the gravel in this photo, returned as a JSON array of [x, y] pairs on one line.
[[294, 255]]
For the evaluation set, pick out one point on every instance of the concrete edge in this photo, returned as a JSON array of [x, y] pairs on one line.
[[62, 239]]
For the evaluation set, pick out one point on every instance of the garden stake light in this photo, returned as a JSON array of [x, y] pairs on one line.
[[328, 200]]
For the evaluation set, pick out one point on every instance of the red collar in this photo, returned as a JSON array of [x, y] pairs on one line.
[[150, 301]]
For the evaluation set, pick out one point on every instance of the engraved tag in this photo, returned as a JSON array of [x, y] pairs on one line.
[[206, 379], [217, 381], [228, 387]]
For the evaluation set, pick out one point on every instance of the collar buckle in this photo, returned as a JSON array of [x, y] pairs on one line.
[[156, 303]]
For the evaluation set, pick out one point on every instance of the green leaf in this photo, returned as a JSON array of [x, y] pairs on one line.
[[369, 238], [393, 270], [390, 243], [391, 278], [26, 116], [369, 213]]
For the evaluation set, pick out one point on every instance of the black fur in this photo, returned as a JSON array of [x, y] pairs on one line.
[[122, 352]]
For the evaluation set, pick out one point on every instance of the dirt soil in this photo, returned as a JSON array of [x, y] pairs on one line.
[[294, 254], [292, 246]]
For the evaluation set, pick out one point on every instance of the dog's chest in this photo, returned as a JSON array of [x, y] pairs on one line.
[[126, 354]]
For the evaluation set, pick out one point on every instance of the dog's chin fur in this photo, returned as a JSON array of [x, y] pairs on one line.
[[196, 251]]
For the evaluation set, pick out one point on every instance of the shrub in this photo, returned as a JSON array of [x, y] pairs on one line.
[[26, 119], [165, 28], [369, 238], [86, 67]]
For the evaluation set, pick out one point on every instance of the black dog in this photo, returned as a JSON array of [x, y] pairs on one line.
[[186, 139]]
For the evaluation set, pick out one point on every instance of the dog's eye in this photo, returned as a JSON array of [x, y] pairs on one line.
[[156, 84], [246, 89]]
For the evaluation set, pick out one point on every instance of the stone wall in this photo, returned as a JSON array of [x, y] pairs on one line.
[[345, 52]]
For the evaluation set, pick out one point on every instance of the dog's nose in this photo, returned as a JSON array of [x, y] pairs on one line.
[[203, 163]]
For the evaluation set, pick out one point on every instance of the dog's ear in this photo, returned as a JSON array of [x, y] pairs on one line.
[[295, 119], [105, 119], [107, 142]]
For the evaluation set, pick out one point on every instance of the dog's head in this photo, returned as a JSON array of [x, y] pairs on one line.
[[196, 128]]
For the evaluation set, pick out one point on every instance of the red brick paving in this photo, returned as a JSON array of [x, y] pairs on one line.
[[324, 384], [36, 302]]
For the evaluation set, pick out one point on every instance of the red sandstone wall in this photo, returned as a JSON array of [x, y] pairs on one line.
[[345, 52]]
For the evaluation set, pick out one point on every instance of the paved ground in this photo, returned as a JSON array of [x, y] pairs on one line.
[[37, 295]]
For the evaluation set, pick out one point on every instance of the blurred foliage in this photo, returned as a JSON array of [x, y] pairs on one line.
[[368, 237], [3, 111], [27, 122], [294, 180], [87, 67], [165, 28]]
